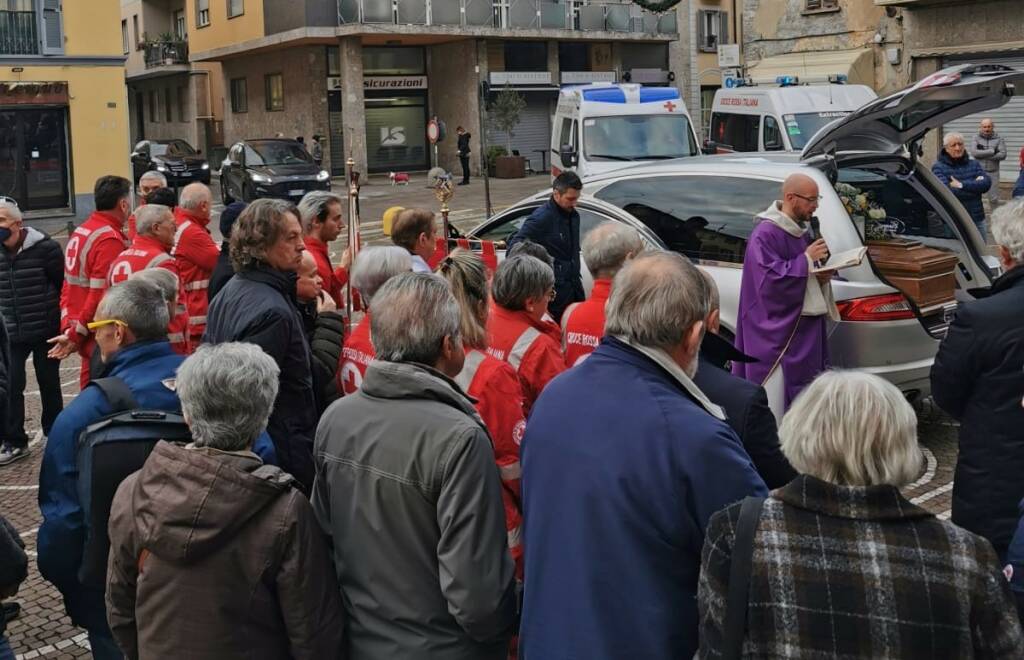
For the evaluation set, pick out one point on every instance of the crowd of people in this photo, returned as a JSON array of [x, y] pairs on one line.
[[488, 463]]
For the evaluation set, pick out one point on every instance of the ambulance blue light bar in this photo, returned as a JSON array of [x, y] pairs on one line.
[[787, 81], [658, 94], [607, 95]]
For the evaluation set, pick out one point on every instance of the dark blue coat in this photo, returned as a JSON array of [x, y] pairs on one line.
[[966, 171], [1018, 188], [559, 233], [622, 469]]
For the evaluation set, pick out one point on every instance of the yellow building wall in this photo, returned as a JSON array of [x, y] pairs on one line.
[[223, 31], [92, 27]]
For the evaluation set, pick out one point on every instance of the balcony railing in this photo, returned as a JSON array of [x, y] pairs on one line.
[[166, 53], [18, 33], [508, 14]]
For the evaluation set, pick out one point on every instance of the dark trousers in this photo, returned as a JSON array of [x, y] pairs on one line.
[[48, 377], [464, 160]]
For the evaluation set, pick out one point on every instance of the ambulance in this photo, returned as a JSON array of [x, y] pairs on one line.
[[599, 127], [780, 117]]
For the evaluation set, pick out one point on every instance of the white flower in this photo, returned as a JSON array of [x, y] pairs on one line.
[[877, 214]]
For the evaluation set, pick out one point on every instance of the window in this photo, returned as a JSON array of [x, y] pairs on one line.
[[239, 95], [180, 29], [235, 8], [333, 61], [908, 213], [124, 35], [152, 106], [379, 61], [821, 5], [135, 32], [634, 137], [18, 28], [573, 56], [735, 132], [182, 98], [566, 134], [772, 135], [802, 127], [712, 29], [512, 222], [168, 116], [202, 13], [526, 56], [273, 91], [707, 102], [701, 217]]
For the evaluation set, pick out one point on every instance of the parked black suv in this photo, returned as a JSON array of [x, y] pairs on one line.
[[278, 168], [175, 159]]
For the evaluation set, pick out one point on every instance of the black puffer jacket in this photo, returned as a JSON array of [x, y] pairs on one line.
[[326, 332], [30, 284]]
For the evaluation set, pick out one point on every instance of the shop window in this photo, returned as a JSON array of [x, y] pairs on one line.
[[236, 8], [202, 13], [152, 106], [735, 132], [182, 98], [526, 56], [239, 95], [394, 61], [273, 90], [713, 29]]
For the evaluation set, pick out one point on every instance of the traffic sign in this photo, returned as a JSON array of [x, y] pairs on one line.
[[433, 131]]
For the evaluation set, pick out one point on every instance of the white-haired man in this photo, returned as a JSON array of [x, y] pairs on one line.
[[624, 462], [423, 560], [977, 378], [196, 254], [605, 250], [148, 182], [964, 177], [322, 223]]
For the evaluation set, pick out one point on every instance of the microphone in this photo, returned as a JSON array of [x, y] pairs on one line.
[[815, 235]]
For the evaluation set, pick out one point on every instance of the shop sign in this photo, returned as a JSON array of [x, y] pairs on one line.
[[648, 76], [520, 78], [585, 77], [33, 93], [394, 82]]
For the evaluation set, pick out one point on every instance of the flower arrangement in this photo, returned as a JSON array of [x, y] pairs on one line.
[[864, 210]]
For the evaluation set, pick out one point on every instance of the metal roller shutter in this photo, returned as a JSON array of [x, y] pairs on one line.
[[533, 131], [1009, 120]]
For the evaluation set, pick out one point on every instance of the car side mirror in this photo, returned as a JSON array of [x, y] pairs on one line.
[[568, 155]]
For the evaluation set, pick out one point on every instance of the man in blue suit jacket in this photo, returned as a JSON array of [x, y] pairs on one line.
[[624, 461]]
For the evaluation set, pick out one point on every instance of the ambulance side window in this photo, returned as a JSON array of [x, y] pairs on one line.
[[736, 132], [566, 134], [772, 135]]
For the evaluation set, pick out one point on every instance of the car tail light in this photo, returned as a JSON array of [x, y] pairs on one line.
[[887, 307]]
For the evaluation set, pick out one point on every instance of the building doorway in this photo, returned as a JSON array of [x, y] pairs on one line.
[[34, 158]]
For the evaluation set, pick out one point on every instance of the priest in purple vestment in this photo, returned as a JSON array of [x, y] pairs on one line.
[[783, 304]]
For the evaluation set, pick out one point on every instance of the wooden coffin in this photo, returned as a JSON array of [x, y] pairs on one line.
[[925, 275]]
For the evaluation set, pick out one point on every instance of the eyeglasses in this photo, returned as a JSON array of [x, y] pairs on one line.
[[808, 198], [99, 324]]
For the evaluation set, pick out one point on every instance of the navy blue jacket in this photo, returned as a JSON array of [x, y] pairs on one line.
[[622, 469], [559, 233], [966, 171], [1018, 188], [978, 379]]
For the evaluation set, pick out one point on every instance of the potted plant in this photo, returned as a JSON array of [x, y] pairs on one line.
[[505, 112], [493, 152]]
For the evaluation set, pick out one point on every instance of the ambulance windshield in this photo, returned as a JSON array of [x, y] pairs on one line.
[[802, 127], [638, 137]]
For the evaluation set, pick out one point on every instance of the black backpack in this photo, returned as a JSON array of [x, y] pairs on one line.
[[109, 450]]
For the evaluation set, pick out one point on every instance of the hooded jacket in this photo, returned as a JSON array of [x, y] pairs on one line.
[[30, 282], [214, 555]]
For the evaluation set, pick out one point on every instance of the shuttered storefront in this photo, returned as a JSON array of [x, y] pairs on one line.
[[1009, 120], [533, 131]]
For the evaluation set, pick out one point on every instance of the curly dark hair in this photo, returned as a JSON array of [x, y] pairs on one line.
[[258, 227]]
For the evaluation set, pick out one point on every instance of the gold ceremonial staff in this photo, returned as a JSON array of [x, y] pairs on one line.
[[444, 190], [352, 178]]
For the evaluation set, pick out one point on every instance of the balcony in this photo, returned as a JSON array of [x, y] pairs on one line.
[[18, 33], [166, 53], [508, 14]]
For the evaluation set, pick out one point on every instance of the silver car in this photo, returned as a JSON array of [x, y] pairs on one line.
[[704, 208]]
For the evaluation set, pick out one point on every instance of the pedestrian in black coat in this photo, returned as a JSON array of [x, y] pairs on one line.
[[223, 271], [258, 306], [977, 379], [463, 147], [31, 277], [13, 571]]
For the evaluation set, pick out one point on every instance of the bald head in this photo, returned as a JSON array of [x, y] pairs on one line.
[[988, 127], [799, 197], [196, 197]]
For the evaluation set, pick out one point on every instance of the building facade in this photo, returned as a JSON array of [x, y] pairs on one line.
[[368, 75], [63, 107], [168, 96], [715, 23]]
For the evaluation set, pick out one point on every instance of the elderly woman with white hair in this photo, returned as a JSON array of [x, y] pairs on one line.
[[214, 554], [838, 563], [965, 178]]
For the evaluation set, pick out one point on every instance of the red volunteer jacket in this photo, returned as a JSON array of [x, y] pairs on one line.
[[146, 252], [583, 324], [334, 279], [91, 249], [196, 254], [528, 346], [131, 222], [495, 386], [356, 354]]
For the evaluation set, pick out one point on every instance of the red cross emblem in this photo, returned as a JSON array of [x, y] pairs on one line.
[[670, 106]]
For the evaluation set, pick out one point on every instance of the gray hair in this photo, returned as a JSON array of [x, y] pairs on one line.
[[140, 304], [413, 315], [150, 215], [529, 248], [949, 138], [166, 280], [520, 278], [1008, 228], [227, 392], [714, 301], [606, 247], [153, 175], [193, 195], [827, 434], [11, 209], [656, 298], [314, 207], [376, 265]]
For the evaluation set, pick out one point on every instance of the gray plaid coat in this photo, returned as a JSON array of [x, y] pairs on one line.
[[845, 572]]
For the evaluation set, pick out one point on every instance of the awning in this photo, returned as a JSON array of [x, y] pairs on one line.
[[816, 66]]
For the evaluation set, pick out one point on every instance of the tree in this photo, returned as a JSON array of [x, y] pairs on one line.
[[505, 110]]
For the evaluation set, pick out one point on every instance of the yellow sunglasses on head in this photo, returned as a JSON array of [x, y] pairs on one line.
[[100, 324]]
